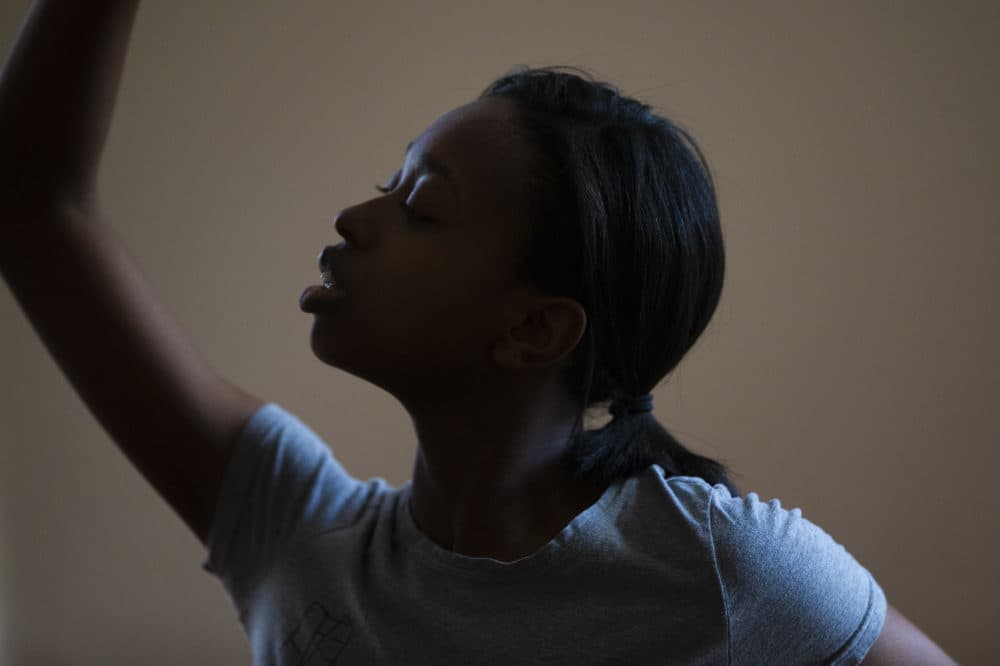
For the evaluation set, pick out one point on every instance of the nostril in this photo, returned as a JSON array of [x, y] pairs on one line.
[[350, 224], [341, 227]]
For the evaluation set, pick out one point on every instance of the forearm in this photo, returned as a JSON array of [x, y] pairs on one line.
[[57, 94]]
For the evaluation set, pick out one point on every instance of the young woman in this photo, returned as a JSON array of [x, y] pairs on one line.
[[549, 248]]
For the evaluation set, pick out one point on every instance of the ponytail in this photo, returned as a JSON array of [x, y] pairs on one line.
[[632, 441]]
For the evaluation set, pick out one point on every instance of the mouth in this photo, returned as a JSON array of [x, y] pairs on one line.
[[326, 267], [324, 298]]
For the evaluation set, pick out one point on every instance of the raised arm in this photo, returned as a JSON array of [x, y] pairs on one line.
[[161, 402], [57, 94]]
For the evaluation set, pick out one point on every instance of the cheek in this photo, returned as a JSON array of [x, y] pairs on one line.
[[447, 285], [444, 308], [447, 315]]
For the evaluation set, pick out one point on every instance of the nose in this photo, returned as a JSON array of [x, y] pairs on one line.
[[346, 224]]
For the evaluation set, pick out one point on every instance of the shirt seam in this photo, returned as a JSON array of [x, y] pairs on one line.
[[850, 647], [718, 575], [237, 480]]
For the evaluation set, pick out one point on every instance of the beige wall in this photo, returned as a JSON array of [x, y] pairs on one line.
[[851, 369]]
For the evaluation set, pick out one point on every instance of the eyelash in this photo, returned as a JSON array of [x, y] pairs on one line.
[[409, 211]]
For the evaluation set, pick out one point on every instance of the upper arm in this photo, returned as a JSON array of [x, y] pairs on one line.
[[900, 642], [783, 571], [161, 402]]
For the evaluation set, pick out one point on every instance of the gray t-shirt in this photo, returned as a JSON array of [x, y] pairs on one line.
[[324, 568]]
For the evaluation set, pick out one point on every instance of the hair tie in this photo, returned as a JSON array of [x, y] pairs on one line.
[[636, 405]]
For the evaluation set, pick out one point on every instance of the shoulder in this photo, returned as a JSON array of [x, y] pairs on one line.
[[277, 443], [668, 507], [280, 451], [729, 516], [691, 496], [274, 425], [742, 526], [792, 593], [282, 482]]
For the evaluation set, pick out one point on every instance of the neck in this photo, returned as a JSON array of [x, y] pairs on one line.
[[502, 490]]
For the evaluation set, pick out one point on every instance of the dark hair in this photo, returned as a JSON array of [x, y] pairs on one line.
[[626, 223]]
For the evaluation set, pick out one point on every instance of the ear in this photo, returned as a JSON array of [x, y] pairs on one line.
[[543, 335]]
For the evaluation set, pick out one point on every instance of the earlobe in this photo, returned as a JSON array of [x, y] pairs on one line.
[[505, 355]]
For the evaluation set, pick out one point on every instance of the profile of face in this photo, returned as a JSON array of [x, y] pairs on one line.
[[427, 269]]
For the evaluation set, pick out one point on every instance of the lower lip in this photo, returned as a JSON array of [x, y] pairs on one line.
[[317, 298]]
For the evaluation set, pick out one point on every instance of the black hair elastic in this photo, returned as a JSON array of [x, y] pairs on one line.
[[636, 405]]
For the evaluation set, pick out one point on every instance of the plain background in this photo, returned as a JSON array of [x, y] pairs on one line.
[[851, 368]]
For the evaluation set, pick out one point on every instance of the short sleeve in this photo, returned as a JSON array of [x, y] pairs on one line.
[[793, 595], [282, 481]]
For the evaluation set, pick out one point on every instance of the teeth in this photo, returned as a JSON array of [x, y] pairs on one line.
[[328, 282]]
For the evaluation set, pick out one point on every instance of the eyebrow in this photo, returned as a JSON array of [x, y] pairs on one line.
[[431, 163]]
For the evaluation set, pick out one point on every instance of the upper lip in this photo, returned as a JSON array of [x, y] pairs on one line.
[[327, 264]]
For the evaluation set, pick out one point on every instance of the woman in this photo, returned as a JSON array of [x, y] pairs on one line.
[[547, 249]]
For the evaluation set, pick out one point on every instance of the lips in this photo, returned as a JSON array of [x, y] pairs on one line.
[[317, 300], [328, 271], [325, 298]]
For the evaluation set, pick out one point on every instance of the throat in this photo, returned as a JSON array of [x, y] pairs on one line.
[[507, 531]]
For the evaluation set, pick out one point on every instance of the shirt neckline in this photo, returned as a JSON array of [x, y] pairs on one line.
[[419, 546]]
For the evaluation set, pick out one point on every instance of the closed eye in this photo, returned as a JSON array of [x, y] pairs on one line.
[[410, 213]]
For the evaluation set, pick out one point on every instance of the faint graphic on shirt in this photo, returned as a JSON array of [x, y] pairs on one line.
[[318, 639]]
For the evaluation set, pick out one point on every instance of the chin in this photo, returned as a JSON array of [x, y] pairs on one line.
[[340, 352], [324, 346]]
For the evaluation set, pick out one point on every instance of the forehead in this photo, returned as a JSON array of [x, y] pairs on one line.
[[481, 147], [486, 124]]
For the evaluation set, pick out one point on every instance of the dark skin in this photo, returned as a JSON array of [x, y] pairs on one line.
[[433, 314]]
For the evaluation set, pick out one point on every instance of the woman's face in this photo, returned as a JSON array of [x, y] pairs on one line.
[[427, 269]]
